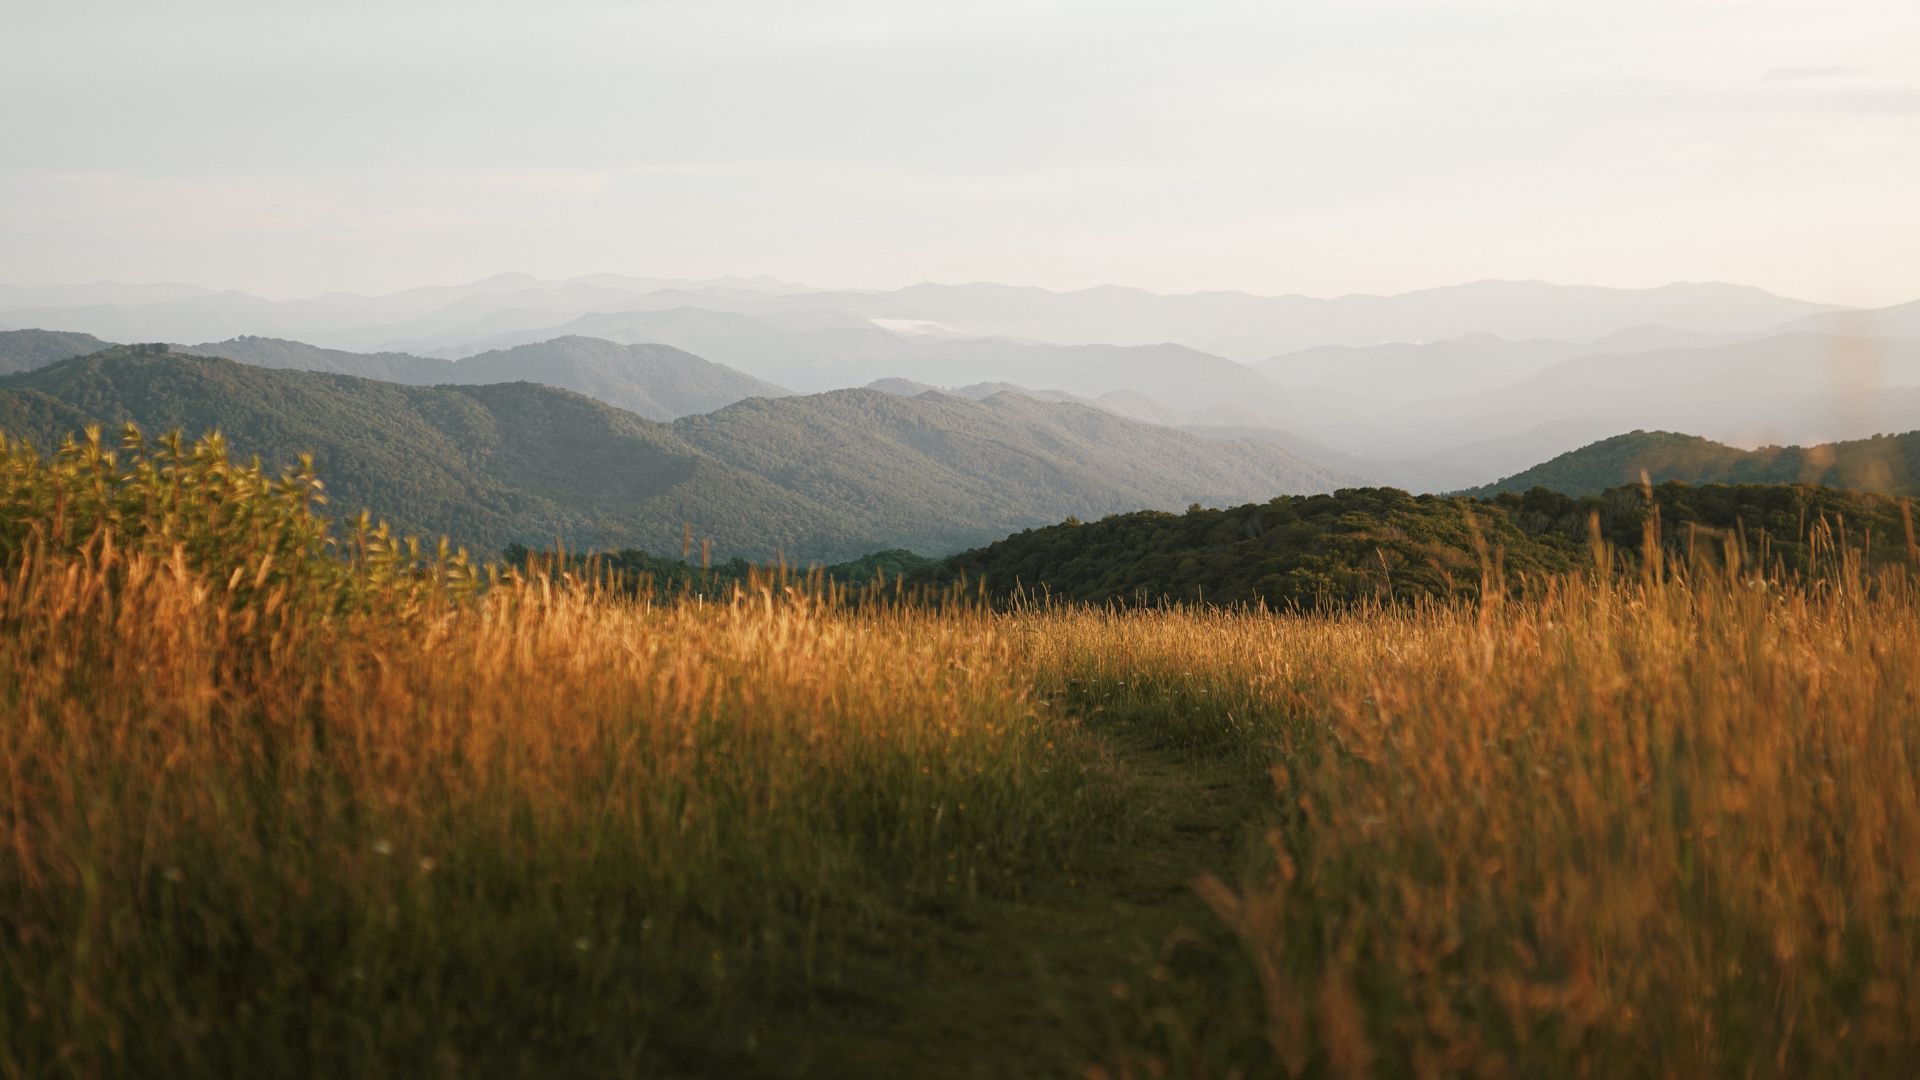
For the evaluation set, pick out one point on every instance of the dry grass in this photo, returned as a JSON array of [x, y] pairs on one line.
[[248, 823], [227, 829], [258, 818], [1631, 827]]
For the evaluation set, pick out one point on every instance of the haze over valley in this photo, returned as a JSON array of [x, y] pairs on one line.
[[1439, 390]]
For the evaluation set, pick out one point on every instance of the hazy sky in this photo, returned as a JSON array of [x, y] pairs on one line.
[[1317, 147]]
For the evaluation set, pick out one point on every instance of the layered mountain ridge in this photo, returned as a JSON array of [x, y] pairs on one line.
[[826, 477]]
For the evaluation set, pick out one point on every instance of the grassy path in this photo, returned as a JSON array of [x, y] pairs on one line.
[[1120, 958]]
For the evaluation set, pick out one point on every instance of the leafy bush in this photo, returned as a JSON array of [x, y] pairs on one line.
[[232, 523]]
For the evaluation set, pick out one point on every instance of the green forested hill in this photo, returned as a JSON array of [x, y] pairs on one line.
[[828, 478], [487, 465], [26, 350], [937, 472], [1383, 542], [1884, 463]]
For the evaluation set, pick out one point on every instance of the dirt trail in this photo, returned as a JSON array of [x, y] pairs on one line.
[[1055, 982]]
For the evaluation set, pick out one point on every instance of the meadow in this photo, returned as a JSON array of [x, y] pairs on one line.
[[285, 798]]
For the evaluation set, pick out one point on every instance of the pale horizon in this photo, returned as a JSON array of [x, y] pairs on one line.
[[1322, 149], [279, 296]]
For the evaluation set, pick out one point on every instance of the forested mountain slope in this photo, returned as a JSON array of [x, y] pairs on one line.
[[828, 477], [1883, 463], [486, 465], [658, 382], [936, 472], [26, 350], [1380, 542]]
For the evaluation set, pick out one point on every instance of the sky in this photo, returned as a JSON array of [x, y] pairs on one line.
[[1287, 146]]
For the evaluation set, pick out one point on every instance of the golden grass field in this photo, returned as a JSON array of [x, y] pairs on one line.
[[268, 812]]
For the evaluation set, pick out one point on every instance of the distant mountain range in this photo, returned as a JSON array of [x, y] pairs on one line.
[[1441, 415], [341, 320], [827, 477], [1239, 326], [1788, 387], [1435, 390], [835, 476], [1794, 387], [1401, 373], [1236, 325], [1888, 464], [658, 382], [1898, 321], [1245, 327], [1799, 387], [846, 353]]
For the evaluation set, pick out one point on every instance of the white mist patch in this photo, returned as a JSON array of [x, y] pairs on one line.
[[915, 327]]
